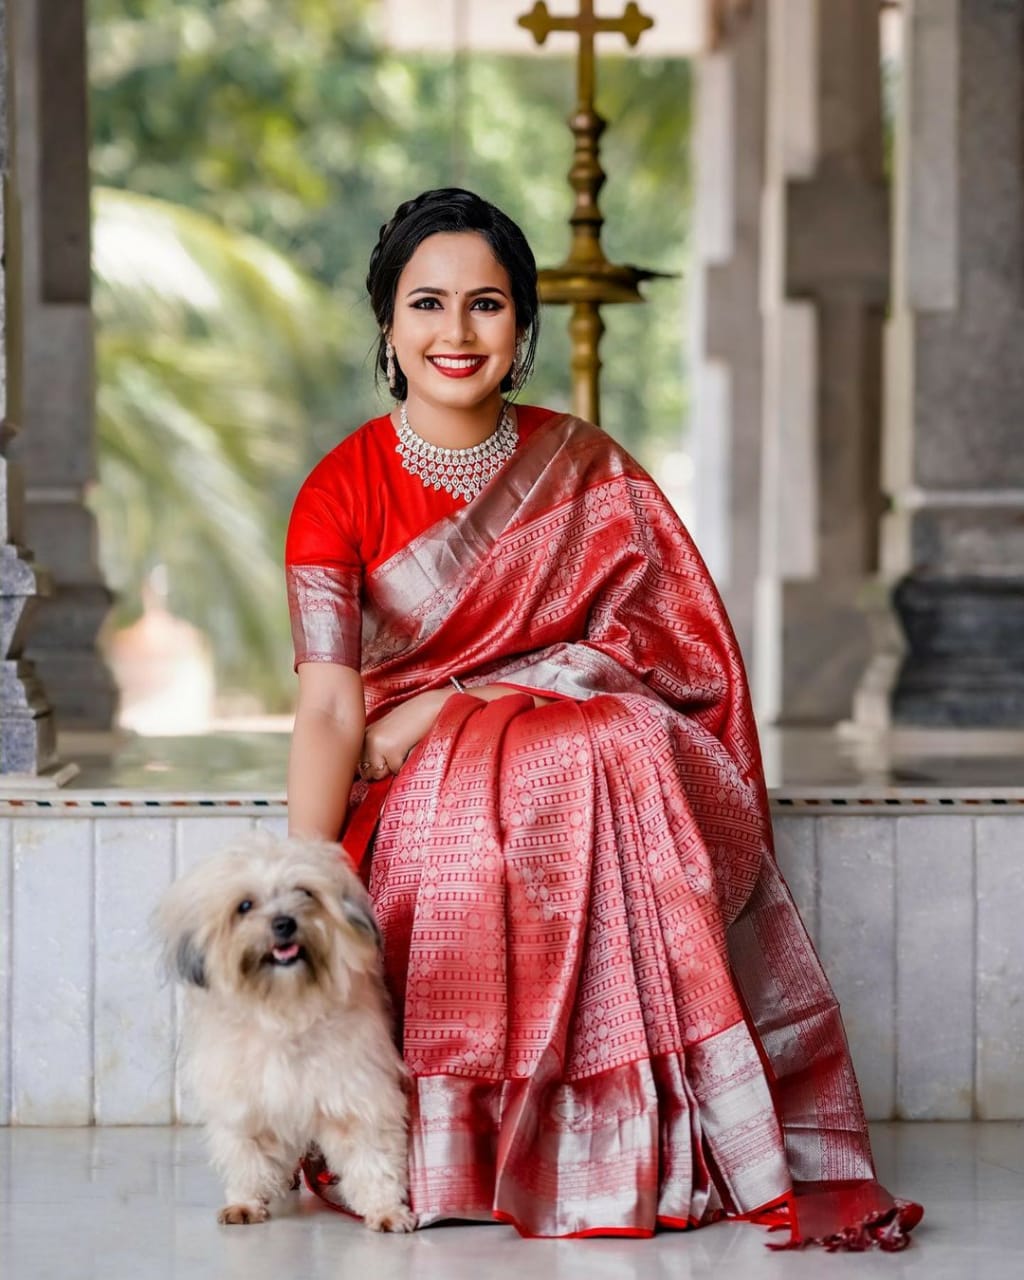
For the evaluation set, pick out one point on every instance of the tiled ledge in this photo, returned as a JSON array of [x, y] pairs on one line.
[[121, 805], [784, 800]]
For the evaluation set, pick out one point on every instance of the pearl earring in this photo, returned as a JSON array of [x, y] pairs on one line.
[[389, 356]]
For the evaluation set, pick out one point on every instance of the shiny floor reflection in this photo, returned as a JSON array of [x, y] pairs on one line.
[[137, 1204]]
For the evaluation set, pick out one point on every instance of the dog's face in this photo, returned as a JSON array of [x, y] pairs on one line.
[[270, 920]]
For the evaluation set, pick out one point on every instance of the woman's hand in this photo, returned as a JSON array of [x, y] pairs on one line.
[[389, 740]]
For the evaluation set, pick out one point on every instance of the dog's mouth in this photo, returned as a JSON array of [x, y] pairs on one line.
[[284, 957]]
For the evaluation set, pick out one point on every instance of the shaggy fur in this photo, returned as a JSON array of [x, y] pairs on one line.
[[288, 1040]]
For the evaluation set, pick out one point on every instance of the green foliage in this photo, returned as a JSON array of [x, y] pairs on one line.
[[212, 355], [290, 124]]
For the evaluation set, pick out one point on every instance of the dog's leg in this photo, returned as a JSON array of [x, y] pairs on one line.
[[253, 1173], [371, 1164]]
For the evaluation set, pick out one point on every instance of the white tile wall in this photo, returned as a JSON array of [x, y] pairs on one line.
[[857, 945], [134, 1021], [935, 974], [52, 983], [6, 965], [1000, 968], [922, 939]]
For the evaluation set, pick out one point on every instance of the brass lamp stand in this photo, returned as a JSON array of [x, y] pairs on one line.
[[586, 279]]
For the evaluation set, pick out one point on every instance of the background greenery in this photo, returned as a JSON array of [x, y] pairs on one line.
[[245, 153]]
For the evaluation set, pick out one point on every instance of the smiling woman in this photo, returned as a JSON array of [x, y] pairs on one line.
[[611, 1014]]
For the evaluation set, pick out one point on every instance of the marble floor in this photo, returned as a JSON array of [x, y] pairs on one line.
[[137, 1204]]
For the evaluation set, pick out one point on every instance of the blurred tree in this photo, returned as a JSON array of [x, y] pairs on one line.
[[213, 354], [291, 124]]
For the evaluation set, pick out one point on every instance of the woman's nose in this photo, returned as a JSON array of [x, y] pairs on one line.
[[460, 327]]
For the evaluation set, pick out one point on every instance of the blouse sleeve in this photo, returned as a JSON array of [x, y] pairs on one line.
[[324, 576]]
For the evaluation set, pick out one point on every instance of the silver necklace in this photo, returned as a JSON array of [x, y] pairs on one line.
[[463, 472]]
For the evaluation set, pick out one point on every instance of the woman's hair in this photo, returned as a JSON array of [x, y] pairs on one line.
[[446, 210]]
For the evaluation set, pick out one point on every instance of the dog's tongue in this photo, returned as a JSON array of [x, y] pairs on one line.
[[286, 953]]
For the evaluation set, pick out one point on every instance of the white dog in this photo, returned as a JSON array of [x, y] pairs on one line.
[[288, 1039]]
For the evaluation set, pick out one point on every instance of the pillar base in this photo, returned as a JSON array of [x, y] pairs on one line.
[[965, 661], [28, 742], [63, 648]]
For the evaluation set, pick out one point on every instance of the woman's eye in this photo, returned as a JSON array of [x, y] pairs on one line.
[[486, 304], [426, 304], [244, 906]]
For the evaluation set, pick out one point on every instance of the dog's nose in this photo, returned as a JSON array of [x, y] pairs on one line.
[[283, 927]]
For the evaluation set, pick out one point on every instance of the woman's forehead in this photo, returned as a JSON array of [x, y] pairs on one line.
[[454, 260]]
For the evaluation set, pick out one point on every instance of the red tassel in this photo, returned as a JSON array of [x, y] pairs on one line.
[[889, 1230]]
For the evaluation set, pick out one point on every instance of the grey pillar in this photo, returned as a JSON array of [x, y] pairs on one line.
[[27, 737], [826, 269], [51, 389], [955, 427], [728, 163]]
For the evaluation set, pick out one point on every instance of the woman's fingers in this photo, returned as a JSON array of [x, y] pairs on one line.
[[370, 768]]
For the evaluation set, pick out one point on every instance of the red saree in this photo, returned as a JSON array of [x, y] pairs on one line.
[[612, 1014]]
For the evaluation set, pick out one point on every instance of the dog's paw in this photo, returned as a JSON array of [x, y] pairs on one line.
[[396, 1218], [243, 1215]]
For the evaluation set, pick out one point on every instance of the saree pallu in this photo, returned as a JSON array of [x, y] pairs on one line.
[[613, 1017]]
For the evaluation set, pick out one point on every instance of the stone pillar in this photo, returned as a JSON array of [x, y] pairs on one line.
[[728, 168], [824, 291], [51, 396], [27, 737], [955, 422]]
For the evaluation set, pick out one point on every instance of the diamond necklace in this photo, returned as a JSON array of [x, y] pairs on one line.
[[463, 472]]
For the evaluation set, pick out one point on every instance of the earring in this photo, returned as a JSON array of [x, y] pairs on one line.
[[516, 372], [389, 356]]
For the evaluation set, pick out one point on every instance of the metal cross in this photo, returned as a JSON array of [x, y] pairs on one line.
[[540, 23]]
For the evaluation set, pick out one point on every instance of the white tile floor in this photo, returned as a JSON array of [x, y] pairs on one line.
[[137, 1204]]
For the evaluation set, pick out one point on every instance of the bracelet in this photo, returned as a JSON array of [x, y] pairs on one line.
[[457, 685]]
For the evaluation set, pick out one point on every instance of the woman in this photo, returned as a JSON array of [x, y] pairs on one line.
[[612, 1015]]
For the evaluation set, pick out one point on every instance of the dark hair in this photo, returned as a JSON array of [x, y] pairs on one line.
[[445, 210]]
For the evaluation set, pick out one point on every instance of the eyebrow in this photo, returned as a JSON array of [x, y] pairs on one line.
[[470, 293]]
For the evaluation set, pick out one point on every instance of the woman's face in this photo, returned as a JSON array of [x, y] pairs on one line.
[[454, 327]]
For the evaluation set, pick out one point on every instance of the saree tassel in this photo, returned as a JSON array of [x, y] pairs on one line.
[[888, 1230]]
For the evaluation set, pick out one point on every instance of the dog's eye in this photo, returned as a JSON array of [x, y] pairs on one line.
[[302, 889], [244, 906]]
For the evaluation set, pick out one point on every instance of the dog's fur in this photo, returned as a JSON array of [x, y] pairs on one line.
[[287, 1048]]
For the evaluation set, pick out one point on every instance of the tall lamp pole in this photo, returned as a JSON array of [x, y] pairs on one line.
[[586, 279]]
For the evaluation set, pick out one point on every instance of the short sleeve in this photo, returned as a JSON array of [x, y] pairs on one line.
[[324, 572]]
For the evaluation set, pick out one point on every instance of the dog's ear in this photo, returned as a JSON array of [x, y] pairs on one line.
[[360, 917], [188, 961]]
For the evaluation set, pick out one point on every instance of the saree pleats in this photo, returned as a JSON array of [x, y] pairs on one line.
[[559, 959]]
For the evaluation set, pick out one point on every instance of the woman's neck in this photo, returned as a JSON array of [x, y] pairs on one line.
[[449, 427]]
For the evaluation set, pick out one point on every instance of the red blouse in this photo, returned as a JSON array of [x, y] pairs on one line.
[[357, 507]]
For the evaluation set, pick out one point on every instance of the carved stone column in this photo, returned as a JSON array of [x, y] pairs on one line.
[[955, 426], [825, 286], [50, 359], [728, 164], [27, 736]]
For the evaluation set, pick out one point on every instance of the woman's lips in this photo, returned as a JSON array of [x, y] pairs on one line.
[[457, 366]]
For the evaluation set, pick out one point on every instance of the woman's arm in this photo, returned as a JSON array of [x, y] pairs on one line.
[[394, 735], [329, 724]]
